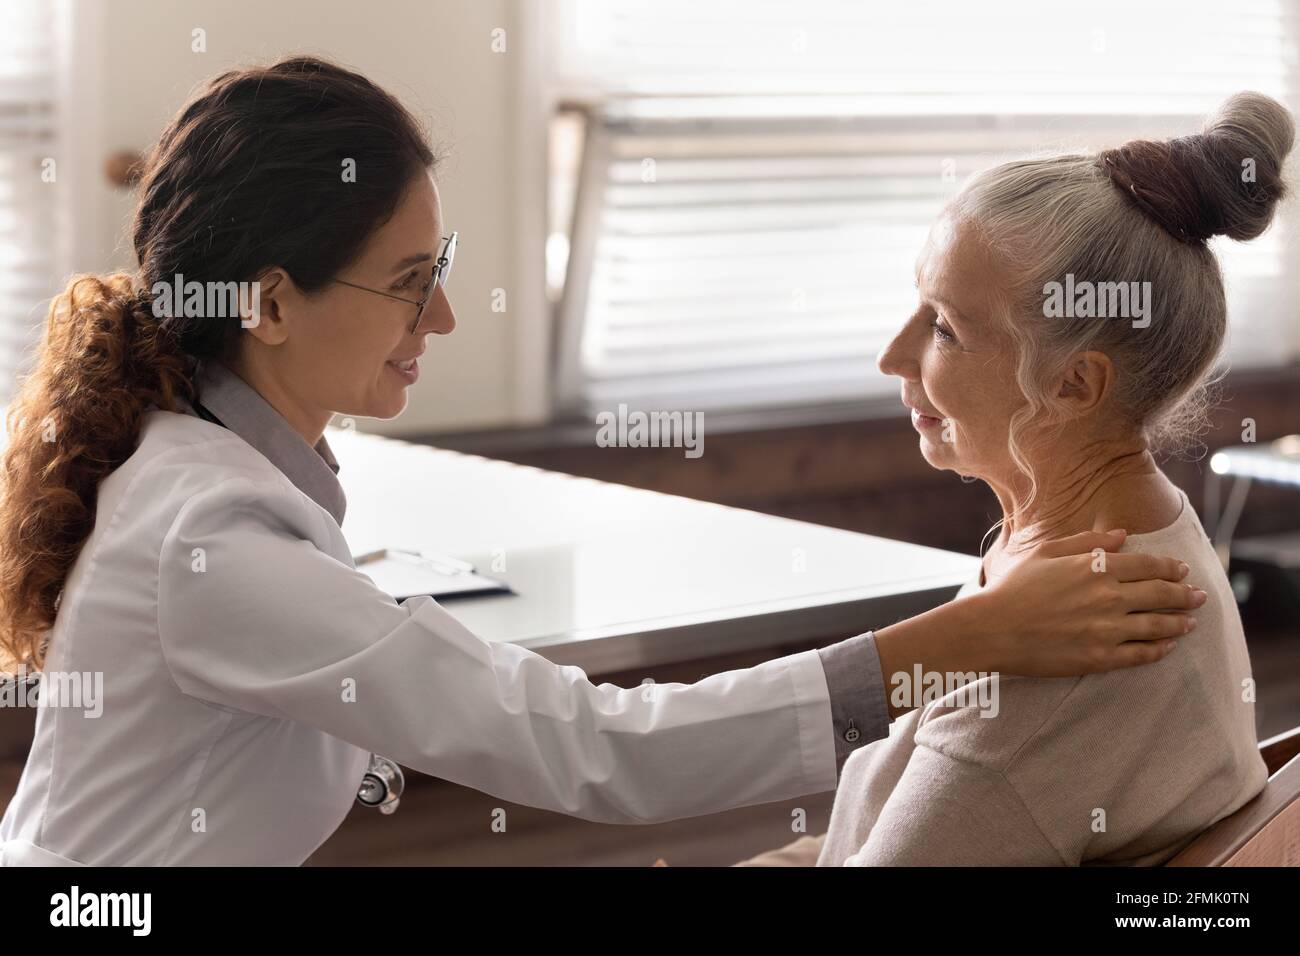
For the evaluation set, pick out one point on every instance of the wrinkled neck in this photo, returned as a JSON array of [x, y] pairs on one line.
[[1075, 491]]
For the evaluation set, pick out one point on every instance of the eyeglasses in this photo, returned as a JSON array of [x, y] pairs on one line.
[[441, 269]]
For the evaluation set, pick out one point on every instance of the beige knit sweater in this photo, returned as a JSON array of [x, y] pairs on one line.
[[1122, 768]]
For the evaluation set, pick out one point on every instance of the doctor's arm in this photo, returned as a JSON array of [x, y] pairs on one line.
[[254, 615], [1059, 613]]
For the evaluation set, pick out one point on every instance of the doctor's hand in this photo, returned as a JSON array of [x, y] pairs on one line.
[[1067, 608], [1062, 610]]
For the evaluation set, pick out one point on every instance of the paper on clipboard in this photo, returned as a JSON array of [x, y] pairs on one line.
[[406, 574]]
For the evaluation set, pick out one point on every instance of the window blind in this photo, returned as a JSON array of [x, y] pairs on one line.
[[28, 251], [753, 243]]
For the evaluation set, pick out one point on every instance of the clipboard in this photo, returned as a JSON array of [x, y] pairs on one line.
[[406, 574]]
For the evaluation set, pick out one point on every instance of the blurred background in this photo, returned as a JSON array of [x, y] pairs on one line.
[[698, 206]]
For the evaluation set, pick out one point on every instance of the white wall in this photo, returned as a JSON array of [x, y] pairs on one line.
[[433, 54]]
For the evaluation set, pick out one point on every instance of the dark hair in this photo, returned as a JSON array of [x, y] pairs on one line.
[[249, 175], [1224, 181]]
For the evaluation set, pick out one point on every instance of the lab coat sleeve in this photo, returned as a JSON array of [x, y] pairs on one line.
[[255, 615]]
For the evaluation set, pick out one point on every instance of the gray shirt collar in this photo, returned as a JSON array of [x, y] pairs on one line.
[[238, 406]]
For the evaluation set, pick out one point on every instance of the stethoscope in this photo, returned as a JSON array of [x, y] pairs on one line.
[[382, 785]]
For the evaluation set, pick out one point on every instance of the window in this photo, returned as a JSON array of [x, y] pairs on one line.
[[29, 252], [736, 223]]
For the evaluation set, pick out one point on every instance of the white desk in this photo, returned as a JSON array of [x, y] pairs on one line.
[[613, 578]]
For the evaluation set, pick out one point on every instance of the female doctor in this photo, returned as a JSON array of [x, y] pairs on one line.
[[171, 524]]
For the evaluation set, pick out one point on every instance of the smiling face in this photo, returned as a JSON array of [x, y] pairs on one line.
[[956, 364], [341, 349]]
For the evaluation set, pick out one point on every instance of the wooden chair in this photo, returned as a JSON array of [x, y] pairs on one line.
[[1264, 832]]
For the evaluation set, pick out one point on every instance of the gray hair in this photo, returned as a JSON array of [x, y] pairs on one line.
[[1139, 213]]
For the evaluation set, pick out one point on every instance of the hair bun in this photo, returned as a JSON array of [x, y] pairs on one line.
[[1223, 181]]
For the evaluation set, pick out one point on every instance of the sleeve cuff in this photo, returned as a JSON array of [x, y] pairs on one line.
[[859, 710]]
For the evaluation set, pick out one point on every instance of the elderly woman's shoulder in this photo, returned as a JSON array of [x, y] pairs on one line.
[[989, 720]]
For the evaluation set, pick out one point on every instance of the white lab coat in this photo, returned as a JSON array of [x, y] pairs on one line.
[[249, 669]]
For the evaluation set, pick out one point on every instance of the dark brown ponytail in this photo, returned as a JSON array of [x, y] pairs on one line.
[[248, 176], [73, 421]]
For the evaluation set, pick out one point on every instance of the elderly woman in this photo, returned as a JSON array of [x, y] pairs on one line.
[[1058, 410]]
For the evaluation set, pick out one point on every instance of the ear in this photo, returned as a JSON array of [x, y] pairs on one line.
[[265, 306], [1086, 383]]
